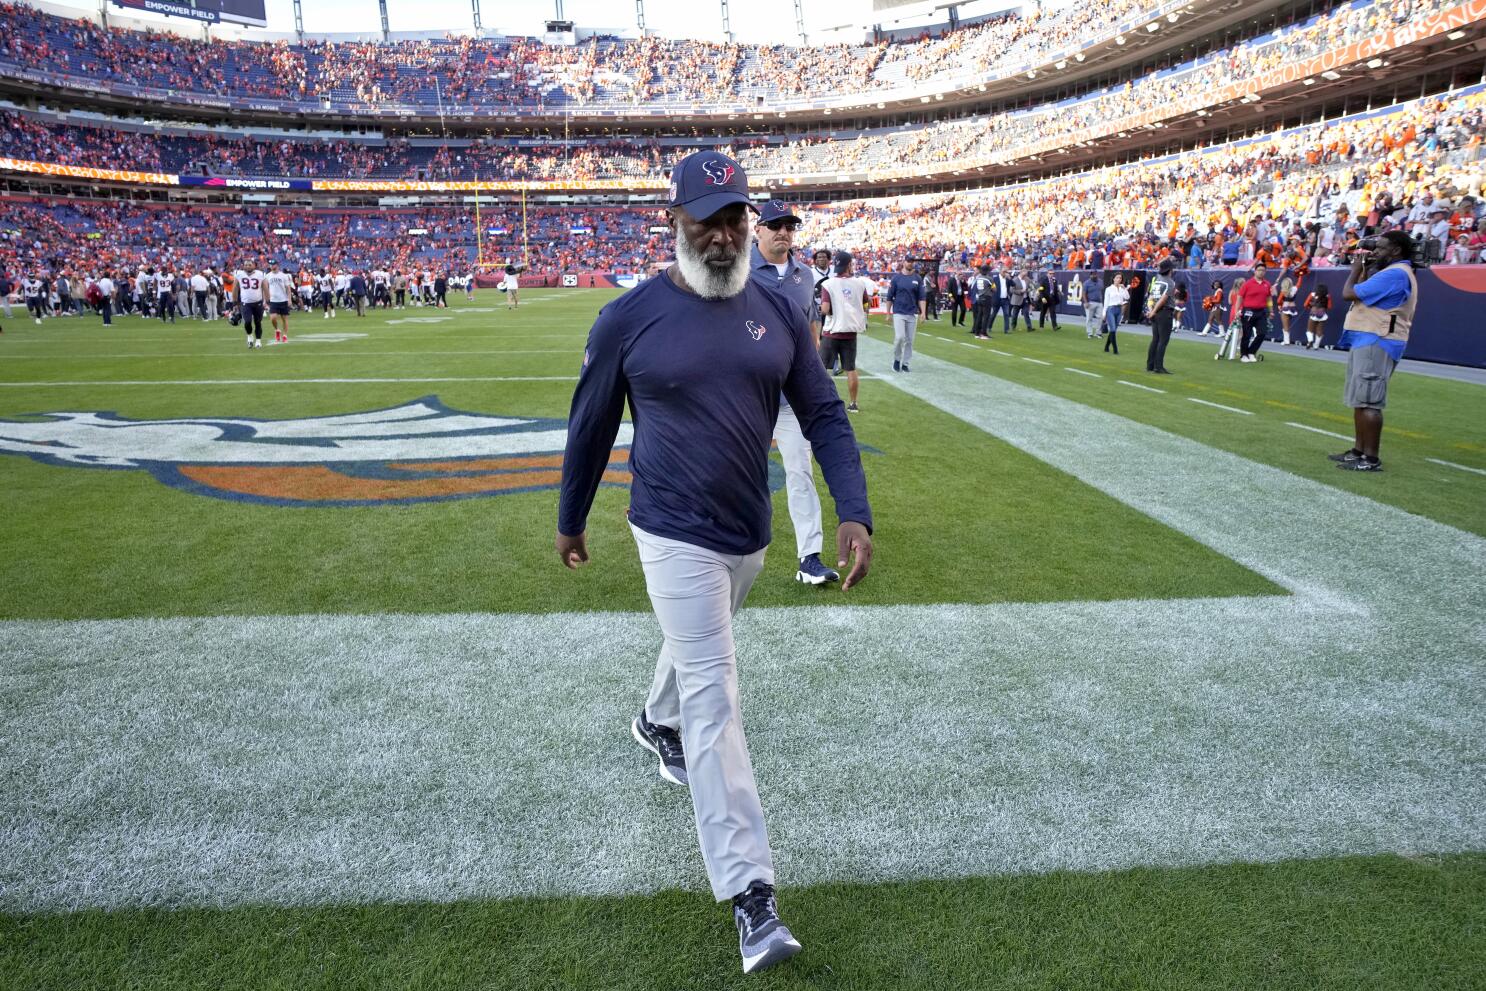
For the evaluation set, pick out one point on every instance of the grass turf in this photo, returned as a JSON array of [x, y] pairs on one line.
[[962, 517], [1426, 417], [1388, 923]]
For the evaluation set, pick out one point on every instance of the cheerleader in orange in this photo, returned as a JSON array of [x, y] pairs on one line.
[[1212, 305], [1316, 306]]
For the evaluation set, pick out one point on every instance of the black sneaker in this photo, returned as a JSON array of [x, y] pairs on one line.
[[1346, 457], [852, 408], [763, 940], [665, 743], [1361, 464]]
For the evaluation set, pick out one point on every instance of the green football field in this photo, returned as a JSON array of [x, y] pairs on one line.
[[1141, 692]]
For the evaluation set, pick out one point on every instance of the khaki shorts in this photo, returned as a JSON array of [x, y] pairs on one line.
[[1368, 371]]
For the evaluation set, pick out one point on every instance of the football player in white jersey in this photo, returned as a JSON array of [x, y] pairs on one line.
[[280, 286], [164, 294], [325, 286], [35, 296], [250, 285]]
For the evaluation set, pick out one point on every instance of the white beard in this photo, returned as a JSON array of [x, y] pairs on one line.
[[709, 282]]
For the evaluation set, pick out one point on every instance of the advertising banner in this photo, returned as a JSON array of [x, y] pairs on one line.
[[246, 182], [87, 172]]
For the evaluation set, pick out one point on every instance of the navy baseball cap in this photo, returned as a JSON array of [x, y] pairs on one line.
[[776, 210], [706, 181]]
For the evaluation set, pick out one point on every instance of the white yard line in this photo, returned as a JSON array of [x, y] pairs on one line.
[[320, 351], [1318, 430], [999, 351], [1036, 361], [966, 344], [1080, 371], [1137, 385], [1229, 409], [1451, 464]]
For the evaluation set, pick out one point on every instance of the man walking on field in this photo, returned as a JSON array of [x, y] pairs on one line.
[[702, 354], [775, 267]]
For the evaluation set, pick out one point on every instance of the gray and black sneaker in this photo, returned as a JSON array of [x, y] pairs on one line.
[[665, 743], [763, 940], [1346, 457], [1363, 463]]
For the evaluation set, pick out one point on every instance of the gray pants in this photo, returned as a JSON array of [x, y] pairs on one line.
[[905, 325], [695, 593], [1093, 318]]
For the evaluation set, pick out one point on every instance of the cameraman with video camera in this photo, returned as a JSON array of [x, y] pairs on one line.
[[1376, 330]]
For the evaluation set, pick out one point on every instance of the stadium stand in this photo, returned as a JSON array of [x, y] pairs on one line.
[[486, 73], [923, 148], [1220, 207]]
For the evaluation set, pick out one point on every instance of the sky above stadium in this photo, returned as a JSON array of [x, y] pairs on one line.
[[752, 20]]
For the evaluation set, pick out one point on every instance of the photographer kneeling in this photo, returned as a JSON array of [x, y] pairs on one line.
[[1377, 331]]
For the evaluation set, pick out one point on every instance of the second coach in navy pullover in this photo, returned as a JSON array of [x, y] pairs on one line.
[[703, 379]]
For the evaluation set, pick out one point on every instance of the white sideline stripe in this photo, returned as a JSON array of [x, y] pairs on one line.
[[332, 759], [966, 344], [1451, 464], [1006, 353], [291, 760], [1080, 371], [1137, 385], [1230, 409], [476, 378], [1318, 430], [1036, 361]]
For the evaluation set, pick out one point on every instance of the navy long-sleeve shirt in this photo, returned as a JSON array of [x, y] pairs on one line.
[[703, 379]]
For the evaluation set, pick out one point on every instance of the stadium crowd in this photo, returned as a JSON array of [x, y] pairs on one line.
[[522, 72], [302, 156], [1294, 199], [958, 144], [1420, 168]]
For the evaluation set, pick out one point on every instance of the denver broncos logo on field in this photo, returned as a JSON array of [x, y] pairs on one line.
[[421, 451], [718, 173], [757, 330]]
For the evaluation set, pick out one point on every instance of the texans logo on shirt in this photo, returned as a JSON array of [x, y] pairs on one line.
[[757, 330], [718, 173]]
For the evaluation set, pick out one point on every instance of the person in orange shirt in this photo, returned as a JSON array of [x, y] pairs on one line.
[[1076, 258], [306, 286]]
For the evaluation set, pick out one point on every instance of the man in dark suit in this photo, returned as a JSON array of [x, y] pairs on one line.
[[956, 290], [1047, 299], [1005, 288]]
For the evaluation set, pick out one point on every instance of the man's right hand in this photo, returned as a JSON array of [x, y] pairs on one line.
[[573, 551]]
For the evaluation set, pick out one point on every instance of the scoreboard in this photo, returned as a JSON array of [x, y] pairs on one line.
[[212, 11]]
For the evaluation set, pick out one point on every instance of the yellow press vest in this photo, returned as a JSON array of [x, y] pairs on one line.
[[1393, 324]]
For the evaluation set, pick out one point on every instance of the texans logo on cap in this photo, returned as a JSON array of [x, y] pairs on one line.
[[718, 173], [757, 330]]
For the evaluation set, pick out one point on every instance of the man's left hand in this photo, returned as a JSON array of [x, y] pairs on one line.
[[855, 544]]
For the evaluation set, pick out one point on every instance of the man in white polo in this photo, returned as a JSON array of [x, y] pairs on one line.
[[843, 306]]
